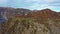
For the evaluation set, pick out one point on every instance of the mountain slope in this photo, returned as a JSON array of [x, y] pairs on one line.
[[45, 13], [24, 21]]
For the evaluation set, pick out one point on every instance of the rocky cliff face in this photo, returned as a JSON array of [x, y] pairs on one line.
[[24, 21]]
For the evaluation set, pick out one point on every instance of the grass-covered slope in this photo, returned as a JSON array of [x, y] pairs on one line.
[[16, 25]]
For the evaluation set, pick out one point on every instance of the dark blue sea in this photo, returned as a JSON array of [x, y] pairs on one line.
[[2, 20]]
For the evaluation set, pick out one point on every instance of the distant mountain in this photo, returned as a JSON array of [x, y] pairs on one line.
[[45, 13], [7, 12]]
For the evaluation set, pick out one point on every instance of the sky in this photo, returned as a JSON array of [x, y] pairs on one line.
[[32, 4]]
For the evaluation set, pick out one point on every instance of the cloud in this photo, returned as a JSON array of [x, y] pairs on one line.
[[2, 1], [40, 4], [31, 4]]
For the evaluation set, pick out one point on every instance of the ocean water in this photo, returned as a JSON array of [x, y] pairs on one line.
[[2, 20]]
